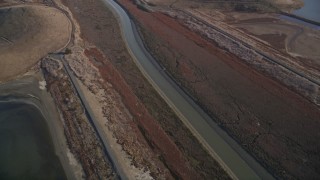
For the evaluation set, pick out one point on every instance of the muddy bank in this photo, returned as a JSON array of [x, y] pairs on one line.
[[27, 149], [28, 90]]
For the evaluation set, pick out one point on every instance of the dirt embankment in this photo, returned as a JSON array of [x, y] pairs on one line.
[[147, 130], [173, 144], [136, 158], [277, 126], [28, 33], [81, 137]]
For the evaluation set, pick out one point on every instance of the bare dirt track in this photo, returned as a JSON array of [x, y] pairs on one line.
[[275, 124], [27, 33]]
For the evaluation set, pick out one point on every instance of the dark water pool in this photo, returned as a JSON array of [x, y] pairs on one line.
[[26, 148], [310, 10]]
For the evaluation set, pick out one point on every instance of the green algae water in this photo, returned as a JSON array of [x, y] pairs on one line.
[[26, 148]]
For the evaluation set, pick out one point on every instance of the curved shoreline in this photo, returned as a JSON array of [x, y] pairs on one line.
[[26, 128], [25, 90], [51, 37]]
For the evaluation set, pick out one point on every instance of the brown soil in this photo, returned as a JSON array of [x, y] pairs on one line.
[[308, 63], [98, 26], [28, 33], [277, 126], [275, 40]]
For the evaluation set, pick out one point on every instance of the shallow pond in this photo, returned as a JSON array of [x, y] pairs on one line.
[[26, 148]]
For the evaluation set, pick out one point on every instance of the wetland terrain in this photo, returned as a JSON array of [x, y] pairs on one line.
[[159, 89]]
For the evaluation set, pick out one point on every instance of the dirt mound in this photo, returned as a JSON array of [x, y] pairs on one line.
[[28, 33]]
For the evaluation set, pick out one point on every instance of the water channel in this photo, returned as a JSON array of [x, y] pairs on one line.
[[237, 162]]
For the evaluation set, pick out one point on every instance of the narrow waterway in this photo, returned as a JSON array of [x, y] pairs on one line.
[[27, 150], [310, 10], [238, 163]]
